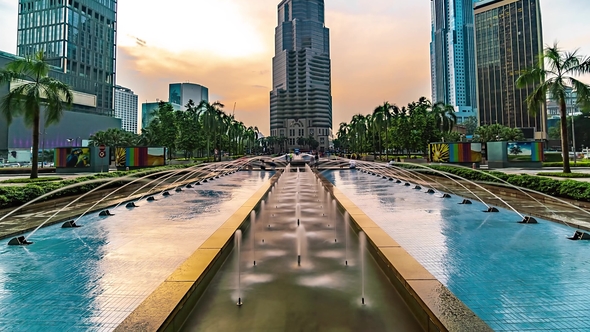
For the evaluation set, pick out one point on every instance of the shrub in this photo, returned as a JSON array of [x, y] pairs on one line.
[[565, 175], [27, 180]]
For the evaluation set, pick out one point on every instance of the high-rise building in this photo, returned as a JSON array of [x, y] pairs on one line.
[[452, 54], [126, 108], [301, 99], [180, 93], [508, 40], [78, 36]]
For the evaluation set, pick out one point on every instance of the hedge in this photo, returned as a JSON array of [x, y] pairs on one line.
[[578, 163], [27, 180], [565, 175], [13, 196], [569, 189]]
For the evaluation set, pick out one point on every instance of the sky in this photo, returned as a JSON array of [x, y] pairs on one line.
[[379, 49]]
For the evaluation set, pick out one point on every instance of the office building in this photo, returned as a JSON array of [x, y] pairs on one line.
[[301, 99], [571, 104], [180, 93], [73, 128], [452, 54], [78, 36], [508, 40], [126, 108]]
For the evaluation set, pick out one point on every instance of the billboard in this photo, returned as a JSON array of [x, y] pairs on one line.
[[72, 157], [525, 151], [140, 157], [455, 152]]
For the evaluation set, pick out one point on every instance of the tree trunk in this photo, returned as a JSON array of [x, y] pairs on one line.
[[564, 137], [35, 152], [386, 136]]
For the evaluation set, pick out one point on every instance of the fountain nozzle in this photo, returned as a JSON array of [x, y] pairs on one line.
[[298, 260], [19, 241], [239, 304], [297, 222], [363, 300]]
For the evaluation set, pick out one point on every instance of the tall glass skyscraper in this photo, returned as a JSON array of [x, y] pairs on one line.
[[452, 54], [509, 40], [78, 36], [301, 99]]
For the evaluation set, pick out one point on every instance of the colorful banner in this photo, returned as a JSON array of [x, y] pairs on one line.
[[140, 157], [455, 152], [525, 151], [72, 157]]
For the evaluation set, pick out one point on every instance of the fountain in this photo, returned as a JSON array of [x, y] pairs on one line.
[[238, 239], [363, 241]]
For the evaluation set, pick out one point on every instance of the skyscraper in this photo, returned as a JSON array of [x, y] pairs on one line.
[[78, 36], [508, 40], [452, 54], [301, 99], [126, 108], [180, 93]]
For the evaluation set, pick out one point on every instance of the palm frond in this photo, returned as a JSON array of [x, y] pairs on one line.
[[532, 76], [583, 92], [537, 99]]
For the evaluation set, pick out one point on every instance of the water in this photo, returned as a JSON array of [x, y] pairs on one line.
[[238, 240], [515, 277], [362, 246], [91, 278], [319, 294], [253, 228]]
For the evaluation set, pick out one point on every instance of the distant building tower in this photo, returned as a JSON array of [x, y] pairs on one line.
[[180, 93], [301, 99], [508, 39], [126, 108], [78, 36], [452, 55]]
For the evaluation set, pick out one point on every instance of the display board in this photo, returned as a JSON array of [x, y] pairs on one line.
[[455, 152], [140, 157], [73, 157]]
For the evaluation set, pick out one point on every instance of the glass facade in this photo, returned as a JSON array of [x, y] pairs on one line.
[[78, 36], [508, 40], [452, 54], [180, 94], [301, 99]]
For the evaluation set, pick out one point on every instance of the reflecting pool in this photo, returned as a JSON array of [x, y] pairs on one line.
[[515, 277], [91, 278]]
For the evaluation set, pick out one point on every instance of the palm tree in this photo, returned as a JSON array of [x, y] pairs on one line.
[[445, 116], [555, 81], [35, 90]]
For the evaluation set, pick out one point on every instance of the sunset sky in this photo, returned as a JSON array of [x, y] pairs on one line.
[[380, 49]]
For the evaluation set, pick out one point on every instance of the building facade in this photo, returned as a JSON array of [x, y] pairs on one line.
[[126, 108], [180, 93], [78, 36], [452, 54], [508, 39], [73, 128], [301, 99]]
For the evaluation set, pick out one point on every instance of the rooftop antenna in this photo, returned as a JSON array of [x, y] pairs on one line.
[[234, 112]]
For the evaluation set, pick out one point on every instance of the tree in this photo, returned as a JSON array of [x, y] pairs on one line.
[[515, 150], [35, 91], [555, 81], [471, 125], [497, 133]]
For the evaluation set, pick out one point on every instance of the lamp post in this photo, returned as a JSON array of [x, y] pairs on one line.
[[70, 140]]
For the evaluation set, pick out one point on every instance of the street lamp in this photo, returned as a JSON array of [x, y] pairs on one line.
[[70, 140]]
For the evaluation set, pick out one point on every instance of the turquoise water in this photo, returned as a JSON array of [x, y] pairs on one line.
[[515, 277], [91, 278]]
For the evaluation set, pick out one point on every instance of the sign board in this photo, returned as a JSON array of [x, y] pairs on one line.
[[102, 154], [102, 147]]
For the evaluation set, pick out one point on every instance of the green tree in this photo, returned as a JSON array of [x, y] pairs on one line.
[[471, 125], [34, 91], [555, 81], [496, 133]]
